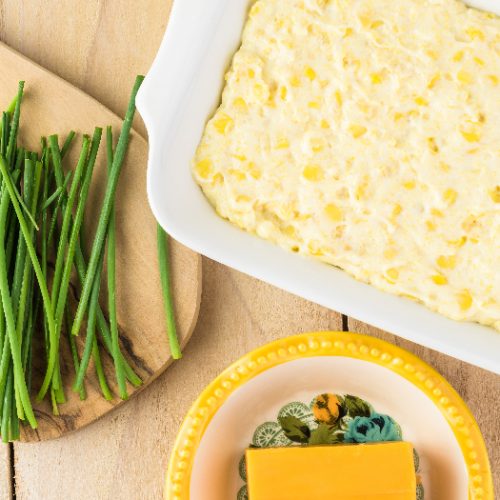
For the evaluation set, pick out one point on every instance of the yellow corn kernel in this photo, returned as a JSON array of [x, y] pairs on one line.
[[223, 123], [310, 73], [254, 171], [432, 54], [398, 116], [444, 166], [493, 79], [348, 32], [436, 212], [495, 194], [397, 209], [433, 81], [295, 81], [475, 33], [325, 124], [446, 261], [333, 212], [357, 131], [282, 143], [313, 173], [409, 185], [479, 61], [255, 9], [471, 135], [432, 145], [314, 249], [450, 196], [392, 274], [243, 198], [439, 279], [458, 56], [204, 168], [238, 174], [464, 77], [251, 73], [338, 97], [464, 299], [317, 144], [431, 226], [390, 253], [458, 243], [290, 231], [421, 101], [283, 93], [360, 191], [240, 103], [217, 179], [313, 104], [376, 24], [376, 78], [240, 157]]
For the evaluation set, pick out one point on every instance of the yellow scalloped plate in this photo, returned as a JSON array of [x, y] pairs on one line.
[[331, 344]]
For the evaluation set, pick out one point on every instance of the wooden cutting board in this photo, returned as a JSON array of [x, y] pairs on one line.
[[51, 105]]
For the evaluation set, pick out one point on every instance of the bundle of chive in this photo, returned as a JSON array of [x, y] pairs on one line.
[[41, 215]]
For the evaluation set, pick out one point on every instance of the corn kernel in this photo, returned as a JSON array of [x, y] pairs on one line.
[[433, 81], [251, 73], [464, 300], [376, 24], [254, 171], [392, 273], [243, 198], [333, 212], [458, 56], [495, 194], [479, 61], [376, 78], [464, 77], [238, 174], [317, 144], [310, 73], [295, 81], [255, 9], [240, 157], [283, 93], [325, 124], [313, 104], [436, 212], [447, 261], [431, 226], [240, 103], [290, 231], [432, 145], [421, 101], [357, 131], [204, 168], [398, 116], [471, 135], [439, 279], [313, 173], [338, 97], [218, 178], [493, 79], [223, 123], [450, 196], [458, 243], [409, 185], [397, 209], [475, 33], [283, 143]]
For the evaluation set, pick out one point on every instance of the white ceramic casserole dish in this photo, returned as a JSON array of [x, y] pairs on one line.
[[180, 93]]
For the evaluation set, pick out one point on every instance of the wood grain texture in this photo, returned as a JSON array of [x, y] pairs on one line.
[[124, 455], [52, 105], [5, 473]]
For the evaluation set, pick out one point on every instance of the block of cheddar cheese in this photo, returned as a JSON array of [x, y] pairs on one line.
[[379, 471]]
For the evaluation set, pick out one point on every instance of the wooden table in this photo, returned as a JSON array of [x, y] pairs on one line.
[[99, 46]]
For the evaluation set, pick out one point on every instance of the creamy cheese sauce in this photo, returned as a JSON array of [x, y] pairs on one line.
[[366, 133]]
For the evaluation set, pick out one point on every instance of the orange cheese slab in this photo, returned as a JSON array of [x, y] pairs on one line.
[[381, 471]]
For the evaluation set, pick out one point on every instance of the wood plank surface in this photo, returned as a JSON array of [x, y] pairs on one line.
[[99, 45], [5, 472]]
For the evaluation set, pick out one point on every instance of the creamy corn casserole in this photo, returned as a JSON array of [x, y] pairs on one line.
[[366, 133]]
